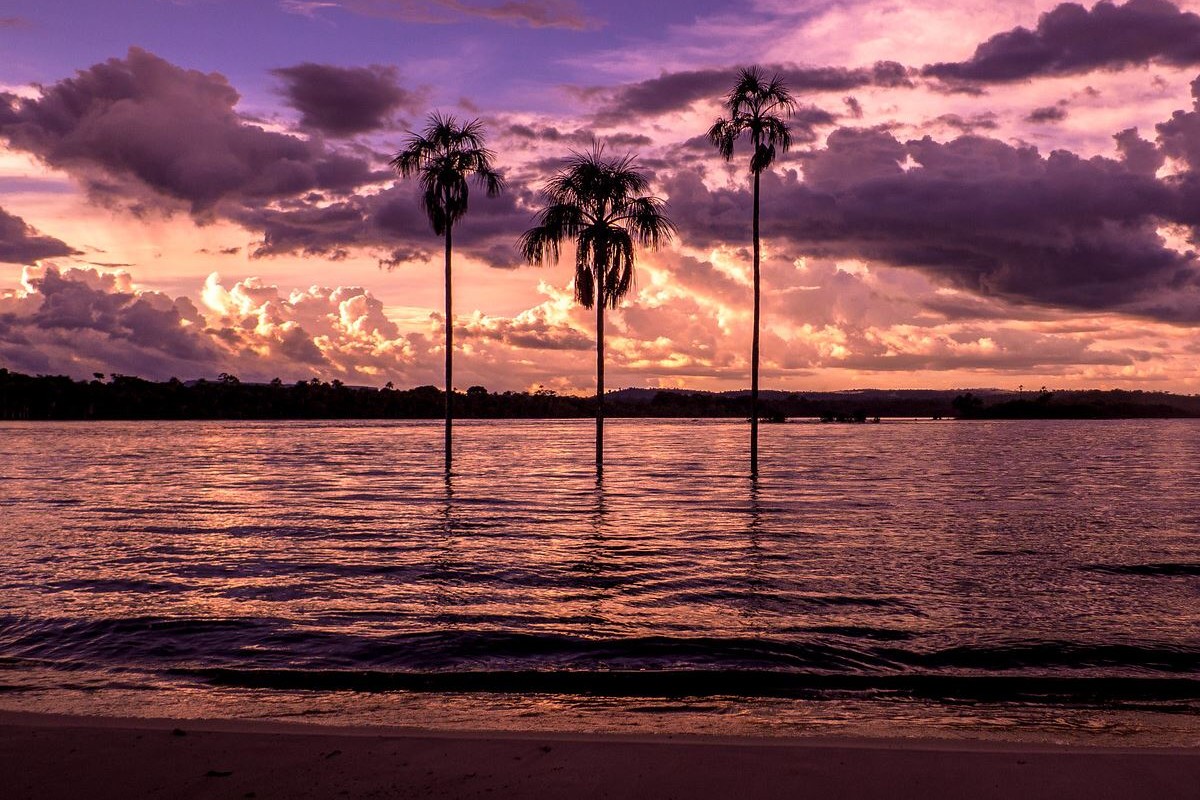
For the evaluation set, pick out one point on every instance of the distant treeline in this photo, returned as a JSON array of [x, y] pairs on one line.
[[1095, 404], [124, 397]]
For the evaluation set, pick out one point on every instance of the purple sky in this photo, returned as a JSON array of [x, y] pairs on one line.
[[982, 193]]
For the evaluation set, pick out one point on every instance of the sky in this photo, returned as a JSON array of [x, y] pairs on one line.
[[987, 193]]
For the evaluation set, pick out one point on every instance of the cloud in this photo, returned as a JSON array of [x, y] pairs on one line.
[[535, 135], [533, 13], [13, 22], [675, 91], [996, 219], [1070, 40], [84, 321], [21, 244], [391, 220], [81, 321], [343, 101], [141, 132], [1047, 114], [984, 121]]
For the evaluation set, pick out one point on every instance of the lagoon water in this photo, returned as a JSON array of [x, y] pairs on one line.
[[958, 578]]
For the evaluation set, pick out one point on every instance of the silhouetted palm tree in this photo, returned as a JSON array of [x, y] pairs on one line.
[[603, 206], [757, 107], [442, 157]]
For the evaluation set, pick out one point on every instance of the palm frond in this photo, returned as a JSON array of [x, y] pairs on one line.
[[602, 204], [443, 156], [758, 106]]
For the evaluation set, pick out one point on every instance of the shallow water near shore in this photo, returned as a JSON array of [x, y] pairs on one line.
[[1010, 579]]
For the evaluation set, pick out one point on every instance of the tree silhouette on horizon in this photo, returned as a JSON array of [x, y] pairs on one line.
[[758, 107], [443, 157], [603, 206]]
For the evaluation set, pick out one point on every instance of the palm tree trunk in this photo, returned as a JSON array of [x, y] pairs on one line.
[[754, 346], [449, 356], [599, 372]]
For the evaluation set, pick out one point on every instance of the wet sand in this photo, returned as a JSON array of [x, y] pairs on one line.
[[49, 757]]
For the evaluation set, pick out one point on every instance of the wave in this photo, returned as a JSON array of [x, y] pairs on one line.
[[719, 683], [159, 643], [1161, 569]]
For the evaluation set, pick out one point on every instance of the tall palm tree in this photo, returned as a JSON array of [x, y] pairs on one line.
[[603, 206], [759, 107], [443, 157]]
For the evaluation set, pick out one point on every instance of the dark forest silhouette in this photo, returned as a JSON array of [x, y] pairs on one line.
[[125, 397]]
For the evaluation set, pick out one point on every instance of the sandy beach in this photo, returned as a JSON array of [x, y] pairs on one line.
[[49, 756]]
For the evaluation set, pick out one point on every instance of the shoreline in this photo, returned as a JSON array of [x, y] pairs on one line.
[[60, 756]]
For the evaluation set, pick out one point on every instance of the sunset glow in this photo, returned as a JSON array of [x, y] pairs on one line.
[[950, 216]]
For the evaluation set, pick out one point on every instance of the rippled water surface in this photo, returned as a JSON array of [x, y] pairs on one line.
[[966, 576]]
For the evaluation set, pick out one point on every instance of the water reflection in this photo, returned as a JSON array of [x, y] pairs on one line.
[[956, 548], [757, 583]]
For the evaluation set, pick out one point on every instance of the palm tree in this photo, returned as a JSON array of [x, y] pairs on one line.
[[758, 107], [603, 206], [443, 157]]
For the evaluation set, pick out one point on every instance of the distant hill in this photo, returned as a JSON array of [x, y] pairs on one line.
[[125, 397]]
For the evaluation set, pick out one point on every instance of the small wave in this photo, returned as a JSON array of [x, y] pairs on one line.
[[1167, 569], [714, 683], [154, 643], [116, 586]]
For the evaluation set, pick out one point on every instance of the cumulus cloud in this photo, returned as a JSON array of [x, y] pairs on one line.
[[343, 101], [1070, 40], [81, 321], [141, 131], [21, 244], [534, 13]]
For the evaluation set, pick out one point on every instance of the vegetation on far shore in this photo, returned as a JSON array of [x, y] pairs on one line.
[[116, 397]]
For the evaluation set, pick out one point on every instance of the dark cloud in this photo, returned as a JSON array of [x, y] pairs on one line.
[[979, 122], [675, 91], [389, 217], [534, 13], [1070, 40], [343, 101], [13, 22], [140, 131], [975, 213], [1045, 114], [580, 137], [1138, 154], [1179, 136], [21, 244]]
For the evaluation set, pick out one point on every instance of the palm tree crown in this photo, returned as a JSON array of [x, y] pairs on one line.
[[442, 157], [757, 106], [602, 205]]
